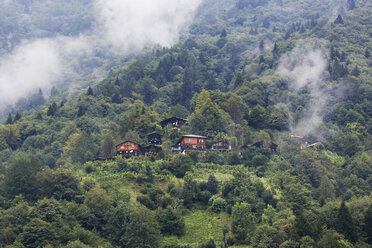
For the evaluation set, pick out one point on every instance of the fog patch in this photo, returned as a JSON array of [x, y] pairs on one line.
[[305, 67], [134, 24], [121, 27]]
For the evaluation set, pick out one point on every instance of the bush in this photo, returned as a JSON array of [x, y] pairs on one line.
[[218, 204], [204, 196], [171, 222], [179, 165], [146, 201]]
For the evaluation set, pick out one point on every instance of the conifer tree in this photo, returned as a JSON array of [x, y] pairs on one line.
[[90, 92], [368, 224], [52, 109], [276, 51], [339, 20], [345, 224], [223, 34], [261, 46], [81, 111], [17, 117], [9, 120], [108, 150], [367, 53], [301, 225], [39, 116], [355, 72], [212, 184]]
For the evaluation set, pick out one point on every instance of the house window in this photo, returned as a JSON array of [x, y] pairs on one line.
[[201, 141], [202, 147], [190, 140], [122, 147], [194, 146]]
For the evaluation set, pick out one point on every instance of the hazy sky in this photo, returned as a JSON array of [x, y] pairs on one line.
[[121, 26]]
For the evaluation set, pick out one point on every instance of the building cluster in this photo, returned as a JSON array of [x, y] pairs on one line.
[[190, 142], [186, 143]]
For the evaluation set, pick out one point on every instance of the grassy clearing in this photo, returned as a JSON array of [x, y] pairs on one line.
[[200, 227]]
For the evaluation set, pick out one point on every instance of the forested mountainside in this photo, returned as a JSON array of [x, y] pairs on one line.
[[280, 91]]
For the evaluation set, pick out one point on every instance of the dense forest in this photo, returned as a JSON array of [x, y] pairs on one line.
[[287, 84]]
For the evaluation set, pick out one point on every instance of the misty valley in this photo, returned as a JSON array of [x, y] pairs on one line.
[[186, 124]]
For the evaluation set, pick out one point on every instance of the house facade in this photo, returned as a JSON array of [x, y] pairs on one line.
[[221, 146], [190, 142], [174, 121], [128, 149], [154, 138]]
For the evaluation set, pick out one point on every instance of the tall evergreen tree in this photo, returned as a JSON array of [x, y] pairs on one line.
[[261, 46], [20, 178], [212, 184], [223, 34], [345, 223], [108, 146], [52, 109], [355, 72], [90, 91], [367, 53], [339, 20], [368, 224], [276, 51], [9, 120], [81, 111], [17, 117], [302, 226]]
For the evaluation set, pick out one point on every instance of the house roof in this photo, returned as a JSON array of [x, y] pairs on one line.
[[194, 136], [154, 133], [128, 141], [191, 136], [315, 144], [172, 119]]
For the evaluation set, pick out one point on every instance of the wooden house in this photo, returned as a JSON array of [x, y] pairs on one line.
[[128, 149], [221, 146], [273, 148], [154, 138], [174, 121], [190, 142]]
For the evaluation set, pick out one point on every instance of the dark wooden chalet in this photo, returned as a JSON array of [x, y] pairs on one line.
[[154, 138], [174, 121], [190, 142], [273, 147], [128, 149], [221, 146]]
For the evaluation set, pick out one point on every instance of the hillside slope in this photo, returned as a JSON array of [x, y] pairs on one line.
[[287, 84]]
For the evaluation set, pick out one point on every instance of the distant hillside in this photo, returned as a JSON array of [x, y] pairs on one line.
[[277, 143]]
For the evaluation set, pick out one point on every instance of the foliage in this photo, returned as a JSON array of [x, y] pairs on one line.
[[61, 186]]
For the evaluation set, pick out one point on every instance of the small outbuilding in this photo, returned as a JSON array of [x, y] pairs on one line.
[[154, 138], [174, 121], [221, 146]]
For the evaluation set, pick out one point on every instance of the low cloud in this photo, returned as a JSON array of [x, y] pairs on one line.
[[134, 24], [305, 66], [120, 27]]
